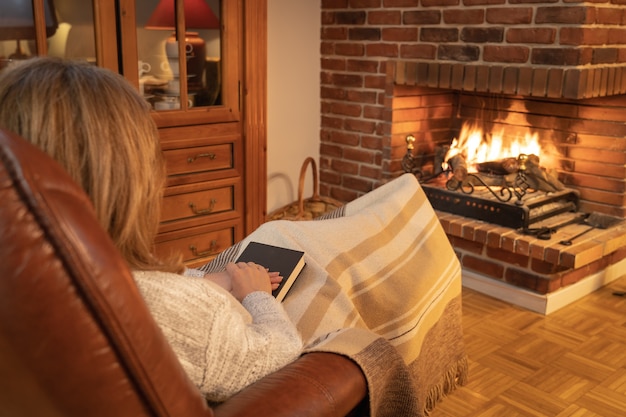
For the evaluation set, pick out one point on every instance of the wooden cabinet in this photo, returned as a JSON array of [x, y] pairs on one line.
[[215, 149]]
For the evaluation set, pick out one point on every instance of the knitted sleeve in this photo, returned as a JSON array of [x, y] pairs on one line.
[[222, 347]]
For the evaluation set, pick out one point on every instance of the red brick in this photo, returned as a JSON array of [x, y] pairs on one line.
[[384, 17], [439, 34], [609, 16], [584, 36], [354, 125], [362, 65], [545, 268], [357, 183], [509, 15], [429, 3], [371, 142], [333, 64], [349, 49], [467, 245], [423, 51], [344, 138], [344, 166], [463, 16], [556, 56], [571, 15], [350, 18], [347, 80], [343, 109], [342, 194], [331, 150], [361, 96], [359, 155], [369, 171], [364, 4], [482, 35], [482, 2], [484, 267], [372, 112], [334, 4], [334, 33], [523, 279], [400, 34], [508, 54], [462, 53], [508, 257], [528, 35], [364, 34], [422, 17], [400, 3], [375, 82], [382, 50], [332, 122], [333, 93], [604, 56], [327, 48]]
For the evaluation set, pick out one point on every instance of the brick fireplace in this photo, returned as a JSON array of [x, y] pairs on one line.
[[392, 68]]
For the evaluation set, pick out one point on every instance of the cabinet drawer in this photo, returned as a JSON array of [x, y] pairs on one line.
[[198, 246], [199, 159], [199, 203]]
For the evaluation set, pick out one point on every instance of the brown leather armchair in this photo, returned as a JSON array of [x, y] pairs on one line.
[[76, 338]]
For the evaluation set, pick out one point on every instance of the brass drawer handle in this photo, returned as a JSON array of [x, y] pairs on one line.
[[195, 210], [211, 156], [212, 250]]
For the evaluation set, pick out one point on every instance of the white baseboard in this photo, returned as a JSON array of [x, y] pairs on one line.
[[543, 303]]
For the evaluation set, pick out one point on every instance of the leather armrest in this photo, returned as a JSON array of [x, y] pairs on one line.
[[317, 384]]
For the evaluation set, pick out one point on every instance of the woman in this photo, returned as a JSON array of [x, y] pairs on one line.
[[382, 283], [99, 128]]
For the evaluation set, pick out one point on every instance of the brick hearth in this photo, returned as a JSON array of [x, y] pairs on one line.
[[542, 266]]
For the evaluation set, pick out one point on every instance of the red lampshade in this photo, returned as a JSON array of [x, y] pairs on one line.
[[198, 15]]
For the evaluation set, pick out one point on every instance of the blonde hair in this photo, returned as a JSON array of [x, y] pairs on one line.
[[99, 128]]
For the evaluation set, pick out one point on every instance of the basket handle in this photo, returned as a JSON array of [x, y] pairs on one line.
[[316, 196]]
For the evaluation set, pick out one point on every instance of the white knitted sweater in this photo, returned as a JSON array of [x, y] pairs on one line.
[[222, 344]]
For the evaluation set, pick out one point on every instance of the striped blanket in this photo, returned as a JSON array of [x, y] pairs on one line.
[[382, 285]]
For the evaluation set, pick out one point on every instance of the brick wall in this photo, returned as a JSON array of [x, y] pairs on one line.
[[362, 42]]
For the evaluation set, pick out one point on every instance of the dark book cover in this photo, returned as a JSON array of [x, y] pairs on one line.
[[288, 262]]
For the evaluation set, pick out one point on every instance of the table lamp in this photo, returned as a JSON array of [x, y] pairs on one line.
[[17, 22], [198, 15]]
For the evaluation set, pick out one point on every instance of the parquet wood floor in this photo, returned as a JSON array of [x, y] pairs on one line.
[[571, 363]]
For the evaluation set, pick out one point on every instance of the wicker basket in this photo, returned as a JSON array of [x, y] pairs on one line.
[[306, 208]]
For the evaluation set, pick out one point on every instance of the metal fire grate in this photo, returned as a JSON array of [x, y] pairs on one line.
[[481, 205]]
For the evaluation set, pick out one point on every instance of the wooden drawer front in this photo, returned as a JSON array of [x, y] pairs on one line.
[[200, 203], [203, 246], [200, 159]]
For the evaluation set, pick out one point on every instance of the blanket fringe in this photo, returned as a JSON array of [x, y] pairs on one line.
[[456, 376]]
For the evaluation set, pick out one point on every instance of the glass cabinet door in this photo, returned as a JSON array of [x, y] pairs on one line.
[[63, 28], [182, 50], [184, 56], [160, 62]]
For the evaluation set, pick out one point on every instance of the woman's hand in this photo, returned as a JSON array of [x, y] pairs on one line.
[[248, 277], [275, 279]]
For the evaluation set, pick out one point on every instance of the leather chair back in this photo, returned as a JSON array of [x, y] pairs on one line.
[[76, 338]]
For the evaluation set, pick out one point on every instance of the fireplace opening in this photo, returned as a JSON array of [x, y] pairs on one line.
[[512, 249], [492, 177]]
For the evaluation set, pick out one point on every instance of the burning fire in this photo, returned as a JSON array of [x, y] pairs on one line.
[[477, 147]]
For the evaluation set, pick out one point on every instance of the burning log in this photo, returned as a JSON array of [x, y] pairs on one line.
[[501, 167], [537, 176], [458, 166]]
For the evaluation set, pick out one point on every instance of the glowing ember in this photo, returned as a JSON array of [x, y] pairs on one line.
[[477, 147]]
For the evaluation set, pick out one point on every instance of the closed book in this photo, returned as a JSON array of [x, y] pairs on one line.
[[288, 262]]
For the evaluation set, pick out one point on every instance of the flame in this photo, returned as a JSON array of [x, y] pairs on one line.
[[477, 147]]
